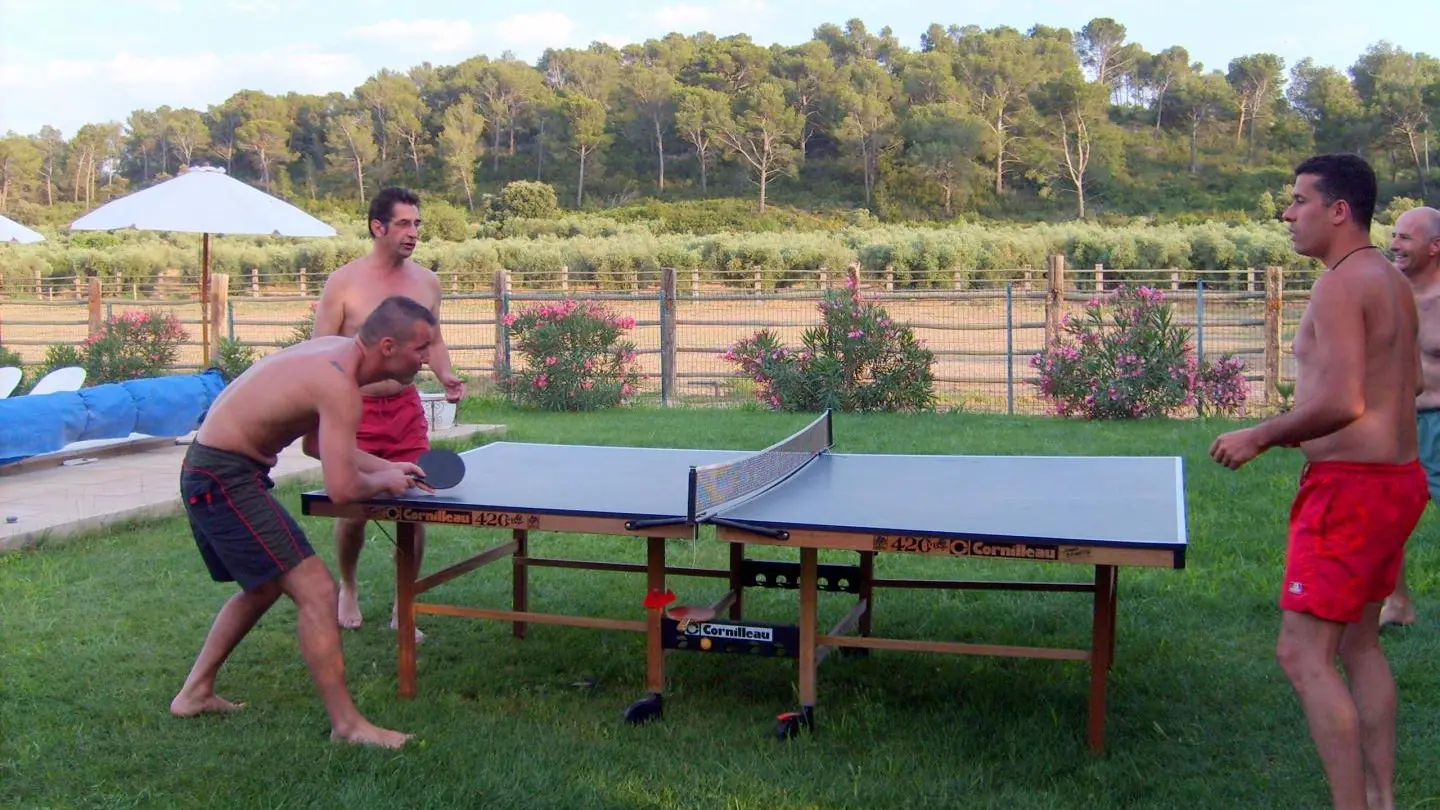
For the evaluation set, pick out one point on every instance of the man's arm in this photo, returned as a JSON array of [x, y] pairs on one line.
[[365, 462], [330, 309], [346, 480], [1335, 384], [440, 354]]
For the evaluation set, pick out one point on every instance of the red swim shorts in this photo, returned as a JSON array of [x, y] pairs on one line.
[[394, 427], [1348, 529]]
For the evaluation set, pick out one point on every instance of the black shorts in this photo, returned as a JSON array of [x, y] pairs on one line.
[[243, 533]]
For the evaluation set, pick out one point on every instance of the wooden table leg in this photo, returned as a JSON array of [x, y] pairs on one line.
[[867, 589], [1102, 649], [407, 571], [809, 619], [654, 646], [520, 578], [737, 580]]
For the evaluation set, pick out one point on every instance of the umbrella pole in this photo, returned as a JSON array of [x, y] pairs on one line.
[[205, 302]]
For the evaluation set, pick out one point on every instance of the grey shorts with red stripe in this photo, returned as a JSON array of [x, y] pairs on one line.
[[243, 533]]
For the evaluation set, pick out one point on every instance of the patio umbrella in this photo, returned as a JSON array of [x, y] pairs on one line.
[[207, 201], [12, 231]]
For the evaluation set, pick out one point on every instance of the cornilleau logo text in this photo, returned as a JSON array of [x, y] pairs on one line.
[[732, 632]]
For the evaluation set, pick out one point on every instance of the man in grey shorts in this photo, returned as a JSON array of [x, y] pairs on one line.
[[244, 535], [1416, 245]]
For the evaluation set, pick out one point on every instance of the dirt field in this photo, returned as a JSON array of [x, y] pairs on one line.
[[969, 336]]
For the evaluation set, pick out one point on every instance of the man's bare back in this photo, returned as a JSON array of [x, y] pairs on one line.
[[353, 291], [262, 413], [1370, 310]]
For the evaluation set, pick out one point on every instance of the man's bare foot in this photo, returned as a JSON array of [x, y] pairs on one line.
[[349, 613], [365, 733], [1397, 612], [395, 625], [190, 706]]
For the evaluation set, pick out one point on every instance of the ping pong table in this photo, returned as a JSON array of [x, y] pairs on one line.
[[1101, 512]]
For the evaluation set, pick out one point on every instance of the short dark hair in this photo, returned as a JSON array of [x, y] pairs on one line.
[[394, 318], [382, 205], [1345, 177]]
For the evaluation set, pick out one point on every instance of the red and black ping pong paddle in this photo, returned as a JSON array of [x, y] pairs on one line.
[[443, 468]]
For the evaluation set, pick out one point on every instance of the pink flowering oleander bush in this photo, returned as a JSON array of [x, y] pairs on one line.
[[130, 346], [1125, 358], [575, 357], [858, 359]]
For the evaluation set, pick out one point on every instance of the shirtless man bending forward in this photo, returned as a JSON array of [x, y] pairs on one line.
[[1362, 489], [311, 390], [393, 426]]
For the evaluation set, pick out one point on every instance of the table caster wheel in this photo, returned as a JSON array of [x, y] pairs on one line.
[[644, 710], [789, 724]]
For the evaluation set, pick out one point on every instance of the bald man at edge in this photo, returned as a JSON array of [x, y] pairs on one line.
[[1415, 245]]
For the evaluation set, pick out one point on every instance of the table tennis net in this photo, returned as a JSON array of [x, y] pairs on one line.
[[715, 485]]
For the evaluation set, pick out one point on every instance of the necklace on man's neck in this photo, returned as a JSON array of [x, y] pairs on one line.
[[1352, 253]]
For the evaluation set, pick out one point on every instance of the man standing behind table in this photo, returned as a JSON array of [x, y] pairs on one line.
[[393, 427], [1362, 489], [1416, 246]]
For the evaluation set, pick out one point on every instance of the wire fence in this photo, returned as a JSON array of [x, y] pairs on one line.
[[983, 331]]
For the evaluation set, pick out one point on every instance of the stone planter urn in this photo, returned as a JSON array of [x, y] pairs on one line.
[[438, 413]]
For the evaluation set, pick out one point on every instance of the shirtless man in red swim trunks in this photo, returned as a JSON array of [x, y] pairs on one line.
[[1362, 490], [393, 426]]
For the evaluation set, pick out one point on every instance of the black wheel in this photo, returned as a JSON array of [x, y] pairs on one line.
[[644, 710], [789, 724]]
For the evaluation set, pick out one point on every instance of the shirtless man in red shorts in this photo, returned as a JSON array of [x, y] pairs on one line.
[[393, 426], [1362, 490]]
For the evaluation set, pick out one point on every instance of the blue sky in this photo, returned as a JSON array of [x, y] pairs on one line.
[[69, 62]]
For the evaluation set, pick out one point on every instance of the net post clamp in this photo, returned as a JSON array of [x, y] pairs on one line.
[[763, 531]]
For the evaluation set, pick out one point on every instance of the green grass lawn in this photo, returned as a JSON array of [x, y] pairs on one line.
[[97, 633]]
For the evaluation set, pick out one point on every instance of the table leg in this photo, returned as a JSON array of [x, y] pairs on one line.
[[407, 571], [1114, 612], [520, 578], [737, 580], [654, 647], [1102, 650], [867, 590], [809, 620]]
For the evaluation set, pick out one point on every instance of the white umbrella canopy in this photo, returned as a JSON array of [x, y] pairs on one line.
[[12, 231], [207, 201]]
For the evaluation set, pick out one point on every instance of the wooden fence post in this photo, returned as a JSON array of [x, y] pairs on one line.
[[502, 332], [96, 305], [1274, 322], [1054, 297], [254, 282], [667, 335], [219, 304]]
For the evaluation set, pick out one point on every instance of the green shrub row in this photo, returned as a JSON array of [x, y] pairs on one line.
[[611, 254]]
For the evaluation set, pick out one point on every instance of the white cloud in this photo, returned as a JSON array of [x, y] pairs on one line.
[[67, 94], [538, 29], [683, 17], [436, 36]]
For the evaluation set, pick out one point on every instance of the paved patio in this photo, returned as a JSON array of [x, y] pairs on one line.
[[88, 488]]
